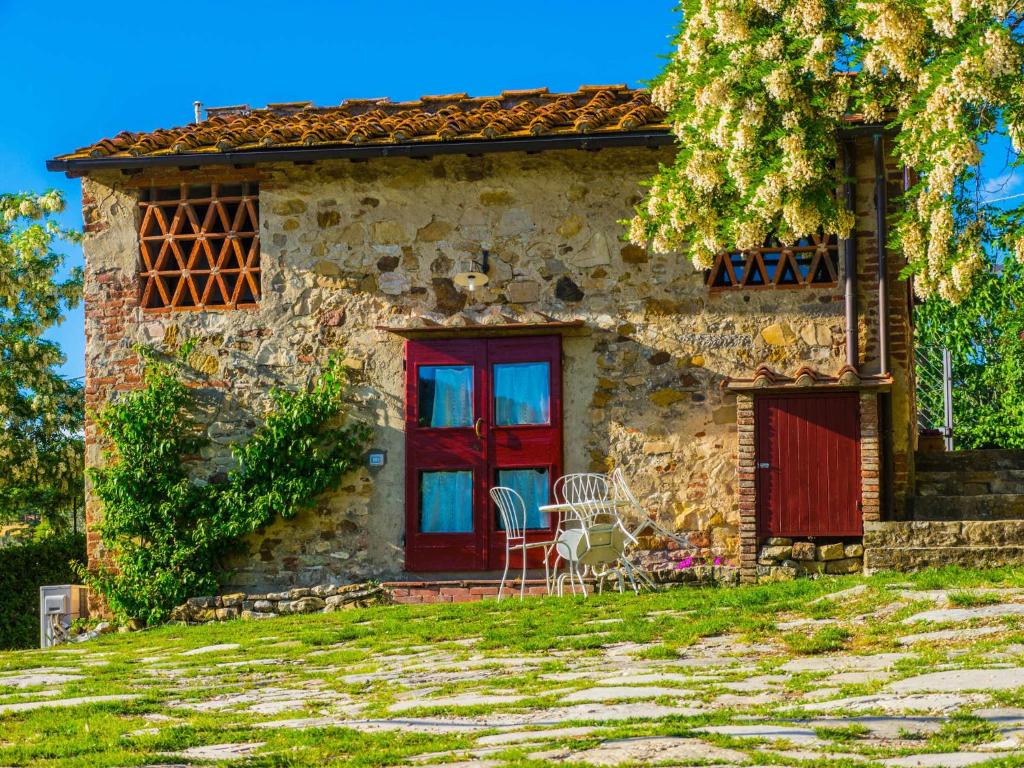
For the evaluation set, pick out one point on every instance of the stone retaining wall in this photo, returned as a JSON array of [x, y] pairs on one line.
[[783, 558], [324, 598]]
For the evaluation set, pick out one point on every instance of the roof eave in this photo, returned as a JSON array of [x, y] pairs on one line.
[[592, 141]]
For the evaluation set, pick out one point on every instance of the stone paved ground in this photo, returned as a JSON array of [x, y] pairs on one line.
[[881, 674]]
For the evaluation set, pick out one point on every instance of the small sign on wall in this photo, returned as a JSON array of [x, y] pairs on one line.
[[376, 458]]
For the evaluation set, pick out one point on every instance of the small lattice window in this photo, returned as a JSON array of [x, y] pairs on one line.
[[810, 261], [200, 247]]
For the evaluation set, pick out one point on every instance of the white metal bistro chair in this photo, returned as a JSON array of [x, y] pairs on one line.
[[624, 493], [590, 534], [512, 509]]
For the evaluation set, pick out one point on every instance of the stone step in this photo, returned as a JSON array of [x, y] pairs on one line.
[[957, 461], [972, 482], [909, 545], [937, 533], [916, 558], [982, 506]]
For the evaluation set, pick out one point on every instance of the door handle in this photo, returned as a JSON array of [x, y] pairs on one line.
[[476, 427], [764, 465]]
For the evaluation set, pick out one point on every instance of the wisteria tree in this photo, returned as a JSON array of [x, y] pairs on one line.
[[41, 412], [758, 90]]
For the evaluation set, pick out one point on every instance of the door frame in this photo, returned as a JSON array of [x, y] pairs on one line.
[[484, 548]]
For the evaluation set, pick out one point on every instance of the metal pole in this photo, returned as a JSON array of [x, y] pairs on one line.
[[850, 264], [947, 398], [881, 202]]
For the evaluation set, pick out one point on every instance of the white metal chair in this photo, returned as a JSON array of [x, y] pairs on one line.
[[590, 535], [512, 509], [624, 493]]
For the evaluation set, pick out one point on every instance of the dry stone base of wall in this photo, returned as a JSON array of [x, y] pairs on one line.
[[324, 598], [785, 558]]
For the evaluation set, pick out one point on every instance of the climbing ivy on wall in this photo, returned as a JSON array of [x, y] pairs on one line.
[[164, 533]]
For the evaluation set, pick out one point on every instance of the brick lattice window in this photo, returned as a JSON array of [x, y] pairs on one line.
[[810, 261], [200, 247]]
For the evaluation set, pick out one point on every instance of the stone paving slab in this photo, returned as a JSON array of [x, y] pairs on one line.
[[613, 692], [934, 702], [956, 680], [76, 701], [548, 734], [939, 760], [792, 733], [653, 750], [220, 648], [944, 635], [218, 751], [960, 615], [39, 677], [462, 700]]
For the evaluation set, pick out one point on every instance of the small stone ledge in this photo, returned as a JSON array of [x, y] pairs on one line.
[[323, 598], [784, 558]]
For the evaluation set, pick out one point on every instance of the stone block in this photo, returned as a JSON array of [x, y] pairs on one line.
[[522, 292], [778, 541], [657, 447], [308, 605], [778, 335], [846, 565], [667, 396], [232, 600], [834, 551], [777, 553], [804, 550], [264, 606], [854, 550]]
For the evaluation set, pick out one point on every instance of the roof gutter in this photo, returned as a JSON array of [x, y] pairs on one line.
[[654, 138]]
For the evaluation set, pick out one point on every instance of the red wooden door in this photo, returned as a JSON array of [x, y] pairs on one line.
[[808, 465], [479, 413]]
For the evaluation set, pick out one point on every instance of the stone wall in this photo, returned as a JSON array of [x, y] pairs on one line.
[[323, 598], [351, 246], [786, 558]]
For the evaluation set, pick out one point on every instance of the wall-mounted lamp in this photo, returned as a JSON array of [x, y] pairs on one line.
[[474, 277]]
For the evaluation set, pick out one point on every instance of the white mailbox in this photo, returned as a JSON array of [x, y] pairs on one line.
[[59, 606]]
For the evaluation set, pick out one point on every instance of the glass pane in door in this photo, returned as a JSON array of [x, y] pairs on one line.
[[445, 395], [532, 484], [446, 501], [522, 394]]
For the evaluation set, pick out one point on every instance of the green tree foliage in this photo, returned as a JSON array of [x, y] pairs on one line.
[[26, 567], [758, 92], [165, 533], [985, 336], [41, 412]]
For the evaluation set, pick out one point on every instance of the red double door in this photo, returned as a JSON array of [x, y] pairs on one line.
[[479, 413]]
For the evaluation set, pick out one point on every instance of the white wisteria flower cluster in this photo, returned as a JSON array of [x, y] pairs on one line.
[[758, 93]]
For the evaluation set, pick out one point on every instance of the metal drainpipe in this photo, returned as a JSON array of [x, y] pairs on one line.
[[850, 264], [881, 202]]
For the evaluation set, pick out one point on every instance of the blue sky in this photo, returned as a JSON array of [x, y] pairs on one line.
[[79, 72], [86, 71]]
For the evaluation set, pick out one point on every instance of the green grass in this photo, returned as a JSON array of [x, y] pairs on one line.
[[966, 599], [322, 656], [824, 640]]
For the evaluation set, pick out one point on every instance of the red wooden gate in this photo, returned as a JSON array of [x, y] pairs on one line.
[[808, 465]]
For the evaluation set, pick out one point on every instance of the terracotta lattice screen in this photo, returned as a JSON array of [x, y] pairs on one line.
[[810, 261], [200, 247]]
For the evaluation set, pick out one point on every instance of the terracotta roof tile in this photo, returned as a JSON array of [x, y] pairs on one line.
[[513, 114]]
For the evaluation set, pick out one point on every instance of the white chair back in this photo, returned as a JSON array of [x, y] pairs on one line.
[[512, 509]]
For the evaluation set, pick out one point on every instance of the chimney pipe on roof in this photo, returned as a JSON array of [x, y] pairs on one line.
[[198, 106]]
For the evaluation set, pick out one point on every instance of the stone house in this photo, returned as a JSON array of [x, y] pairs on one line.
[[769, 398]]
